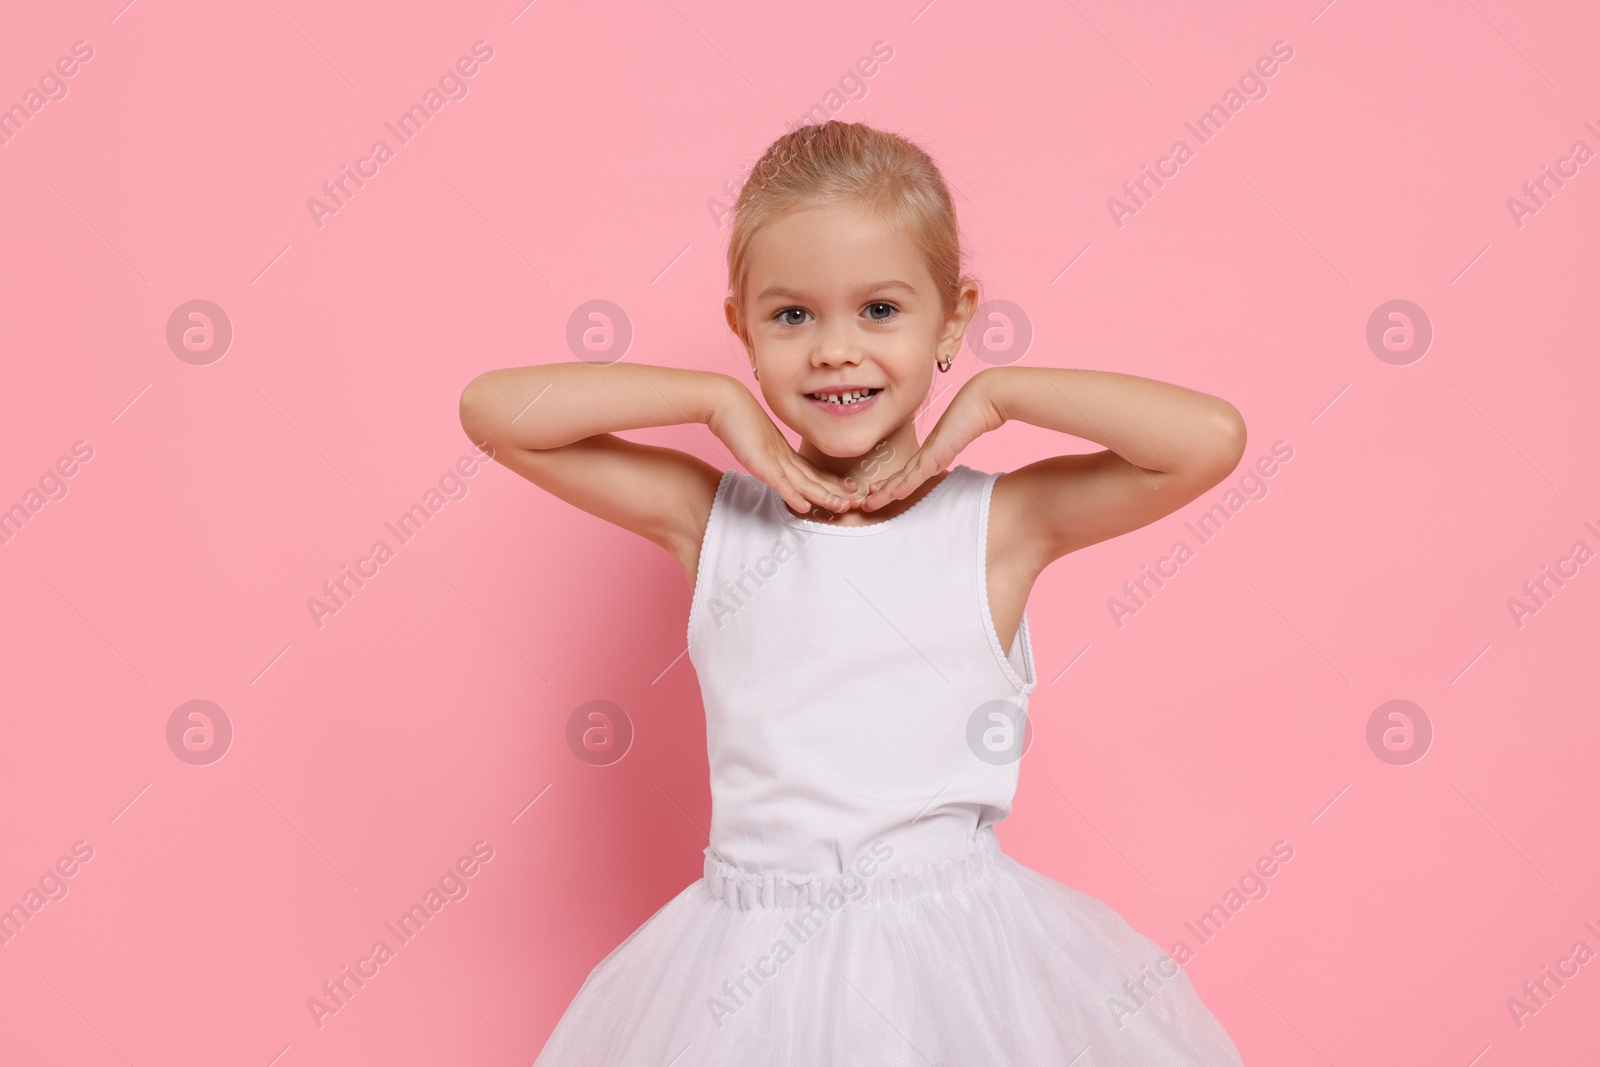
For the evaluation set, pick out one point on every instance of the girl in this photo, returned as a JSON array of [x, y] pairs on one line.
[[859, 633]]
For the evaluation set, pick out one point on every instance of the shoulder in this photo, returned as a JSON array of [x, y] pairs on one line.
[[1012, 536]]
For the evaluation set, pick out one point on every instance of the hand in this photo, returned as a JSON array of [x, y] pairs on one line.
[[970, 415], [755, 441]]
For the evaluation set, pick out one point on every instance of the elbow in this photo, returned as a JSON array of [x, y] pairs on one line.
[[1226, 442], [473, 409]]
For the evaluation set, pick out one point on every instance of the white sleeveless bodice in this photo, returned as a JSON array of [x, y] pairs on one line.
[[849, 675]]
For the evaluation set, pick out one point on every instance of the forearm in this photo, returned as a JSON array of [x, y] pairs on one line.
[[1152, 424], [551, 405]]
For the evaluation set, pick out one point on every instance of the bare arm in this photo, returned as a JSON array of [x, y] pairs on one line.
[[555, 424], [1156, 426], [553, 405], [1165, 445]]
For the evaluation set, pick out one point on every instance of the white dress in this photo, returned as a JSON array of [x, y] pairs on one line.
[[864, 727]]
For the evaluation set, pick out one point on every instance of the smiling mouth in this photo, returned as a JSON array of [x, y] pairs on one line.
[[853, 397]]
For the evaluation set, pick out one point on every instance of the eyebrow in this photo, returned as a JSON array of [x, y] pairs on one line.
[[874, 287]]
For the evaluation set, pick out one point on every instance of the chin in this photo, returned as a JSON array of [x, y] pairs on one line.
[[847, 445]]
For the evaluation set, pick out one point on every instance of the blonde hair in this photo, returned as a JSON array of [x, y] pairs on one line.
[[844, 163]]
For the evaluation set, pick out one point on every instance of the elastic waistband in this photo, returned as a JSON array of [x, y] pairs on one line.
[[745, 889]]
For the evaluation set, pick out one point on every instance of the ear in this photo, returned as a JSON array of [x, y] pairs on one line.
[[732, 316], [955, 324]]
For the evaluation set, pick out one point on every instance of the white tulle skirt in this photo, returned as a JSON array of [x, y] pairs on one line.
[[973, 960]]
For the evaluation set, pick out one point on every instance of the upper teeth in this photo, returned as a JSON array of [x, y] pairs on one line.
[[843, 398]]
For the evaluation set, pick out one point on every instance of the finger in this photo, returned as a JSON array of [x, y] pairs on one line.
[[836, 492], [893, 487], [792, 497], [884, 494], [795, 489], [817, 493], [905, 482], [888, 494], [834, 484], [839, 483]]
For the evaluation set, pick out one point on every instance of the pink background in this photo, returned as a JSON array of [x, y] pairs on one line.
[[370, 753]]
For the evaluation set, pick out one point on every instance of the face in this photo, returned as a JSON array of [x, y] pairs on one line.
[[836, 299]]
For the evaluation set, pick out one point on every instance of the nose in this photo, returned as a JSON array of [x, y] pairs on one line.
[[835, 347]]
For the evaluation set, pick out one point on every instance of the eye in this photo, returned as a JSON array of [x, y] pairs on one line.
[[782, 321], [881, 304]]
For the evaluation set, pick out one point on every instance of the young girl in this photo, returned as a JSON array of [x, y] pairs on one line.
[[859, 633]]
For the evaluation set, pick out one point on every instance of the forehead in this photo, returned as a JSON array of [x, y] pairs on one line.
[[832, 249]]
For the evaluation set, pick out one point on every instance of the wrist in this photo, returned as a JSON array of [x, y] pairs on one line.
[[725, 393], [988, 390]]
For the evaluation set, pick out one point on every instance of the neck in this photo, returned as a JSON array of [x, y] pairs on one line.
[[881, 461]]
